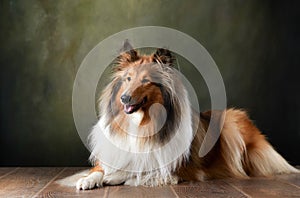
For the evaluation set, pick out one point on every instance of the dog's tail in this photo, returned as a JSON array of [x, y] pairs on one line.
[[263, 160], [259, 158]]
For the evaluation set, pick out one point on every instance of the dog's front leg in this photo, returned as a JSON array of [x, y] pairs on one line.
[[92, 180], [115, 178]]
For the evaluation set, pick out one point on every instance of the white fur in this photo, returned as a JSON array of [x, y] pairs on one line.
[[153, 181], [94, 179], [142, 165], [136, 118], [115, 178]]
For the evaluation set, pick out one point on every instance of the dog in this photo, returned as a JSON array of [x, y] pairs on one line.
[[148, 134]]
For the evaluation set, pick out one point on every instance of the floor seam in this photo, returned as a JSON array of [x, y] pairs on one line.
[[236, 188], [59, 173], [10, 172]]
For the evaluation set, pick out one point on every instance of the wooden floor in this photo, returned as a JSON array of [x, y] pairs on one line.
[[40, 182]]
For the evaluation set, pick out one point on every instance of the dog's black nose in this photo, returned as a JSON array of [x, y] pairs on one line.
[[125, 98]]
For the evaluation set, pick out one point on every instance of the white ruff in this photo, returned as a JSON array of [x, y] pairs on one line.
[[148, 163]]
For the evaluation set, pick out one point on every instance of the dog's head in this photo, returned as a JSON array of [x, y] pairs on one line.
[[149, 88], [141, 78]]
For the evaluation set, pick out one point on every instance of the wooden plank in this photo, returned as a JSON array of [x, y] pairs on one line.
[[6, 171], [290, 178], [26, 182], [265, 187], [213, 188], [56, 190], [140, 191]]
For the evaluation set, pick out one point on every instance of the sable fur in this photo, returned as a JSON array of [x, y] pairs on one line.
[[151, 81]]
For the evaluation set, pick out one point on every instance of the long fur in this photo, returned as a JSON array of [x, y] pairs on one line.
[[159, 143]]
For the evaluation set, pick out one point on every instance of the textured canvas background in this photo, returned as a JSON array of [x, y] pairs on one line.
[[254, 43]]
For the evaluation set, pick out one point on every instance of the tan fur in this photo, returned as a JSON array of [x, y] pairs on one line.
[[241, 151], [97, 168]]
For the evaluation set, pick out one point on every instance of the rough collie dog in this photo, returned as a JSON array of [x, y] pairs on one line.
[[147, 133]]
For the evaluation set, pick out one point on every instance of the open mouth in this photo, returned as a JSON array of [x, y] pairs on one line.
[[131, 108]]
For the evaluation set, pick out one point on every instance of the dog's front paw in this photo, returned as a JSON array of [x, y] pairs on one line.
[[94, 179]]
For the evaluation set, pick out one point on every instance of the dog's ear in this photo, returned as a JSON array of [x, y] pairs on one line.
[[127, 54], [163, 56]]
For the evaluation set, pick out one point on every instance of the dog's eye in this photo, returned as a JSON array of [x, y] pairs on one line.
[[145, 81], [129, 78]]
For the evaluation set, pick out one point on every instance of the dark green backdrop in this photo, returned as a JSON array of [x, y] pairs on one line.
[[255, 44]]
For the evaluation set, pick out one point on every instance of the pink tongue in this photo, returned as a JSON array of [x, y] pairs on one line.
[[128, 108]]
